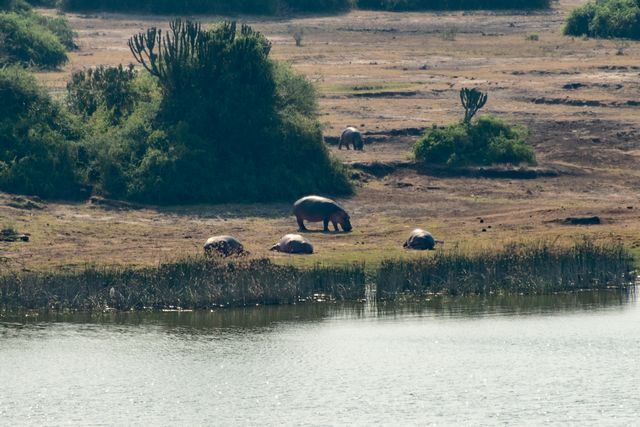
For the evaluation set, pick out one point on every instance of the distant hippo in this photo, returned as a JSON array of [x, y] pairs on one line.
[[223, 245], [421, 240], [351, 136], [316, 209], [293, 244]]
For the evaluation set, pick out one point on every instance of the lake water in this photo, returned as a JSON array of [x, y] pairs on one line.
[[566, 360]]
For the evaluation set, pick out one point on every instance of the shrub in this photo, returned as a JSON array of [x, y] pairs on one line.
[[489, 140], [110, 87], [37, 152], [605, 19], [24, 41], [59, 26], [223, 122]]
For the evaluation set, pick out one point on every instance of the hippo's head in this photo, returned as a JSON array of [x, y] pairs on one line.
[[345, 222], [358, 142]]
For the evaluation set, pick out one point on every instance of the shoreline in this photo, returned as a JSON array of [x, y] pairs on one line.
[[534, 268]]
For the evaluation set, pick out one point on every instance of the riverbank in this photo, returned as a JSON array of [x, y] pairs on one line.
[[201, 283]]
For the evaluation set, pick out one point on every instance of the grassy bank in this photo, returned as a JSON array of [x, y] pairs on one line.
[[200, 283]]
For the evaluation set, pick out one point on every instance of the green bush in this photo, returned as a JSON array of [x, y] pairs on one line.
[[24, 41], [38, 152], [486, 141], [59, 26], [212, 119], [109, 87], [605, 19]]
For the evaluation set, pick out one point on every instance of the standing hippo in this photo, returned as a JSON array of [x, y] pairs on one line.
[[351, 136], [224, 246], [316, 209], [421, 240], [293, 244]]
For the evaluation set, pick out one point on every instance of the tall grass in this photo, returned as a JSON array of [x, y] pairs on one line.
[[197, 283], [201, 283], [539, 268]]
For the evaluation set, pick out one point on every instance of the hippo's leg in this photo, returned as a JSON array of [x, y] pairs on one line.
[[301, 224], [335, 225], [326, 224]]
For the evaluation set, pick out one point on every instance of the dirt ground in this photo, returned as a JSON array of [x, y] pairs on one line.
[[392, 74]]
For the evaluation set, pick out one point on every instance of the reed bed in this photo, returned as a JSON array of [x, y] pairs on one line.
[[194, 283], [201, 283], [538, 268]]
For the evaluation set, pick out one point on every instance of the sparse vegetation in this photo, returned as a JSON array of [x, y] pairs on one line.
[[204, 283], [605, 19], [449, 34]]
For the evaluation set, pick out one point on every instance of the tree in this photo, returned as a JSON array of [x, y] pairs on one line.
[[472, 101]]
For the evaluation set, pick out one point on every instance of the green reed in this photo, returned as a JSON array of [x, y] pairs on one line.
[[532, 268], [201, 283]]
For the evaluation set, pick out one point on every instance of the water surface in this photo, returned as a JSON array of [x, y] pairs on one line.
[[565, 359]]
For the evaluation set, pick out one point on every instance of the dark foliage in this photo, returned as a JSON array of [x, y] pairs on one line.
[[279, 6], [405, 5], [487, 141], [109, 87], [213, 119], [24, 40], [37, 152], [606, 19]]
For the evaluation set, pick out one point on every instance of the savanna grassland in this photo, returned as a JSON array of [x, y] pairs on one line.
[[392, 75]]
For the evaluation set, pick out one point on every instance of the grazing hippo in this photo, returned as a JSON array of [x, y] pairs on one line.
[[316, 209], [224, 246], [421, 240], [293, 244], [351, 136]]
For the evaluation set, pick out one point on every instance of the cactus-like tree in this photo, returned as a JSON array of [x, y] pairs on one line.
[[472, 101], [211, 78]]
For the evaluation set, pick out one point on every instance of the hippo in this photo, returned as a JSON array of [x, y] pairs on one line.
[[293, 244], [316, 209], [421, 240], [350, 136], [224, 246]]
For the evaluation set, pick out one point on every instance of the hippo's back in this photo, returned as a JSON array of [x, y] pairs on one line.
[[315, 207], [421, 240], [226, 245], [295, 244]]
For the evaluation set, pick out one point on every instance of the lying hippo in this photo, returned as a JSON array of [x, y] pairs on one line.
[[351, 136], [421, 240], [316, 209], [293, 244], [223, 245]]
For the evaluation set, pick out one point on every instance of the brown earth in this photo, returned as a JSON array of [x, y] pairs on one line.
[[393, 74]]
